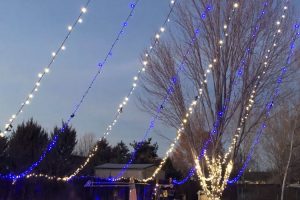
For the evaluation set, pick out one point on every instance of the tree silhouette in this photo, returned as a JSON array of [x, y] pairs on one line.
[[59, 159], [3, 154], [145, 152], [120, 153], [26, 145]]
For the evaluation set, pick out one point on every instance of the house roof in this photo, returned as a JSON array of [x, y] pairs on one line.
[[120, 166]]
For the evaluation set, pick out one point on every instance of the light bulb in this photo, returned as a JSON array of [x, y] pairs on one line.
[[83, 10]]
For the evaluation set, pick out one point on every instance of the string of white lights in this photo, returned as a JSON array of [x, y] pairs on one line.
[[62, 47], [251, 100]]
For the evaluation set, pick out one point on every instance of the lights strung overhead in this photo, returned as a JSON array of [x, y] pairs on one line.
[[52, 144], [126, 99], [41, 75], [95, 149]]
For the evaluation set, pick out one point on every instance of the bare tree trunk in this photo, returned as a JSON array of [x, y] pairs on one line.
[[287, 165]]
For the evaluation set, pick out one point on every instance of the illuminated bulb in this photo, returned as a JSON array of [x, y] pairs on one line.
[[83, 10], [185, 121], [134, 85], [283, 16], [1, 134], [278, 22], [208, 71], [126, 99], [221, 42], [135, 78], [225, 26], [53, 54], [40, 75], [80, 20], [31, 96], [215, 60], [162, 29], [69, 28], [143, 69], [38, 84], [27, 102], [279, 31], [235, 5], [285, 7], [47, 70], [145, 63], [173, 1], [210, 65], [13, 116], [63, 48], [157, 36]]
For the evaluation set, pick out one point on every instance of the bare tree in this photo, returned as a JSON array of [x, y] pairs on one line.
[[235, 54], [85, 144], [281, 145]]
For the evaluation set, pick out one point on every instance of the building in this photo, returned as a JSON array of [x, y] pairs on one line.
[[139, 171]]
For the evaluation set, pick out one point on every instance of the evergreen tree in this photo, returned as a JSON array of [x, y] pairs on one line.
[[104, 153], [26, 145], [120, 153], [3, 154], [59, 161], [145, 152]]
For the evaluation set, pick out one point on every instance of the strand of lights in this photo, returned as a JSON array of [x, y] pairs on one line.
[[131, 91], [221, 113], [251, 100], [41, 75], [52, 144], [269, 107], [170, 90]]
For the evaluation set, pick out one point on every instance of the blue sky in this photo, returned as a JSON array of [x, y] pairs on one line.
[[30, 30]]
